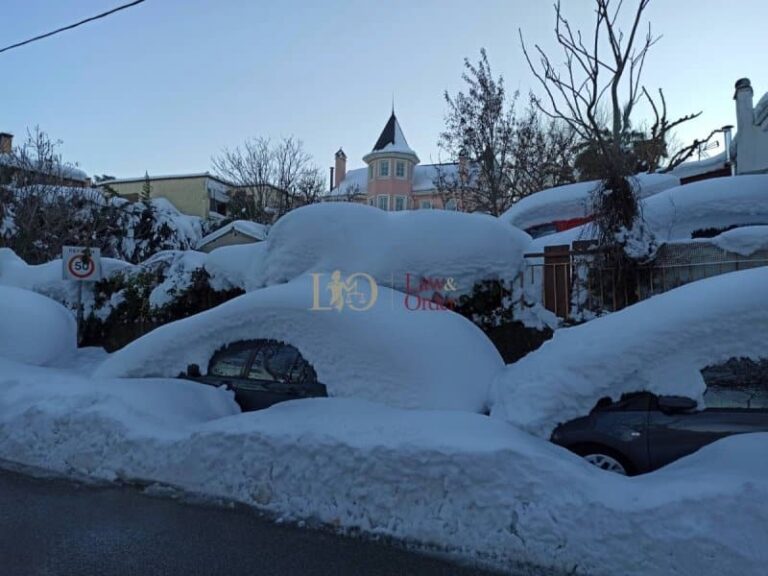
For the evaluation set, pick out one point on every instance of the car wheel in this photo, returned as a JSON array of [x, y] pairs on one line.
[[606, 462]]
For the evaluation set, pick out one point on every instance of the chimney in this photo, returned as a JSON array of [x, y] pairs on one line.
[[6, 143], [745, 113], [341, 167]]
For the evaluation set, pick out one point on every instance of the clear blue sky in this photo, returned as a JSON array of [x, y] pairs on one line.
[[165, 85]]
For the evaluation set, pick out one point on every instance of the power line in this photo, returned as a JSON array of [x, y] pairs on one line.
[[75, 25]]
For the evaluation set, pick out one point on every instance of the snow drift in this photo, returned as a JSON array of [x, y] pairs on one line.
[[388, 245], [465, 483], [658, 345], [388, 354], [34, 329]]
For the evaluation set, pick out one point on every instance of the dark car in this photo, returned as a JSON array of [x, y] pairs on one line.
[[643, 432], [261, 373]]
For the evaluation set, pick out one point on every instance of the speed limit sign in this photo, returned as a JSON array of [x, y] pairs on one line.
[[81, 264]]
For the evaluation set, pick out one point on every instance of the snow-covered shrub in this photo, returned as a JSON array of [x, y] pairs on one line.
[[36, 221]]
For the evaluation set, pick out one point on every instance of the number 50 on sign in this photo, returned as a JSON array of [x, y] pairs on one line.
[[81, 264]]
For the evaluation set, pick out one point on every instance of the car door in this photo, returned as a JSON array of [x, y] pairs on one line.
[[731, 408], [276, 373]]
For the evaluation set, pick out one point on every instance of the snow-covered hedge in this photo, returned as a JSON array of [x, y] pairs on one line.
[[37, 221], [660, 345], [387, 353], [34, 329], [353, 238]]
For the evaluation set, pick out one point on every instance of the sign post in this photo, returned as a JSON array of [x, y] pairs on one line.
[[80, 264]]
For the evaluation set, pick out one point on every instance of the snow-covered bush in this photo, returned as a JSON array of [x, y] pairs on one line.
[[36, 221]]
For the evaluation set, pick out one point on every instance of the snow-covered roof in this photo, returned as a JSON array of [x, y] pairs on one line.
[[61, 170], [424, 176], [574, 200], [166, 177], [245, 227], [392, 140]]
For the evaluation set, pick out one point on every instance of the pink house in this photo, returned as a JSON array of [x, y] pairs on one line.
[[393, 179]]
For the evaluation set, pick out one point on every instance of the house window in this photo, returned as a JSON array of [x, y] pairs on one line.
[[370, 171], [400, 203], [400, 169], [384, 168], [383, 202], [451, 204], [426, 204]]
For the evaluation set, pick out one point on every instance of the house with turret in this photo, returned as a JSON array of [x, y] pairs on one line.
[[393, 178]]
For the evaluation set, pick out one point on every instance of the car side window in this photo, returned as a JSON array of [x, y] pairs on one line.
[[230, 363], [738, 384], [745, 397]]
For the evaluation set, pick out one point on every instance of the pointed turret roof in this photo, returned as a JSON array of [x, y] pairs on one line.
[[392, 139]]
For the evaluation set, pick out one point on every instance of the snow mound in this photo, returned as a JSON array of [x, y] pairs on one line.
[[743, 241], [658, 345], [236, 266], [388, 354], [573, 201], [388, 245], [462, 482], [34, 329], [716, 203]]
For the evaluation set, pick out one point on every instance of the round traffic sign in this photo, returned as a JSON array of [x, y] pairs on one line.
[[81, 267]]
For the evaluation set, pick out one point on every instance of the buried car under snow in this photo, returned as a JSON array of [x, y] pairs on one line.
[[277, 343], [642, 431]]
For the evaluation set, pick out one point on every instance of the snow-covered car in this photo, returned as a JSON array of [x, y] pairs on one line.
[[260, 373], [381, 351], [643, 432]]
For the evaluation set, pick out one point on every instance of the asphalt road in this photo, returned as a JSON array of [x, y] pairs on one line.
[[55, 527]]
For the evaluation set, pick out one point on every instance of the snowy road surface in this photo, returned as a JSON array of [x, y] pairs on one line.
[[57, 527]]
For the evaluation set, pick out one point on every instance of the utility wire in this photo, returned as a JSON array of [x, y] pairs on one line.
[[75, 25]]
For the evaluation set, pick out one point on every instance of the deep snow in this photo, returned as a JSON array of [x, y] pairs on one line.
[[388, 245], [574, 200], [467, 483], [388, 353], [34, 329], [659, 344]]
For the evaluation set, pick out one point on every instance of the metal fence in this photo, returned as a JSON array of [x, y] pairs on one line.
[[573, 283]]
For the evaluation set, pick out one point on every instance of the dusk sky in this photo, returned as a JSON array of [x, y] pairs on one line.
[[165, 85]]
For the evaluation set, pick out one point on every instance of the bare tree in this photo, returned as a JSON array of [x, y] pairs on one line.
[[270, 178], [596, 95]]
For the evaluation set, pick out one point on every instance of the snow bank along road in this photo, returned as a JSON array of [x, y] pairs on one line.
[[57, 527]]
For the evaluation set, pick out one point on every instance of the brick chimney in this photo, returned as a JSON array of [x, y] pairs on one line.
[[6, 143], [341, 167]]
